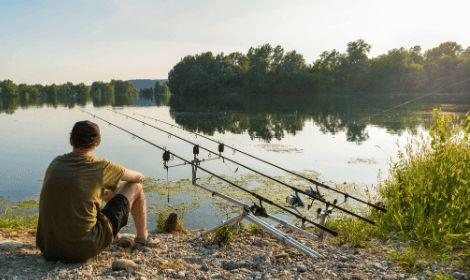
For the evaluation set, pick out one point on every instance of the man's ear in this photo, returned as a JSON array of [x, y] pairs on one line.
[[97, 142], [71, 142]]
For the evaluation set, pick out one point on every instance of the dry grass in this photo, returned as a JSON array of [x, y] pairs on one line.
[[170, 265]]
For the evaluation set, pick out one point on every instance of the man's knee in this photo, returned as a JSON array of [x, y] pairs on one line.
[[137, 187]]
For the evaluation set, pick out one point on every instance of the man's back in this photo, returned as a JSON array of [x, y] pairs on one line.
[[71, 225]]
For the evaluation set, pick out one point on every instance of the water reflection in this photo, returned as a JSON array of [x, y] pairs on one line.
[[269, 118]]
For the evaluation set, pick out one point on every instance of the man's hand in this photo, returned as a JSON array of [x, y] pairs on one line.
[[133, 176]]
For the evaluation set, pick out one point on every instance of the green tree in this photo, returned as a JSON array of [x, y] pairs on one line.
[[9, 89]]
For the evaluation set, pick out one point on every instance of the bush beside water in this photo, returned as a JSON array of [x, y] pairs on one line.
[[428, 193]]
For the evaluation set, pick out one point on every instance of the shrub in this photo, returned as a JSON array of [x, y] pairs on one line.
[[427, 194]]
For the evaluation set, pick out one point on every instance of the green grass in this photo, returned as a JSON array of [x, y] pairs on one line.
[[255, 229], [13, 216]]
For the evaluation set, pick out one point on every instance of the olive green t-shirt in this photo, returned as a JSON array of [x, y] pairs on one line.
[[71, 225]]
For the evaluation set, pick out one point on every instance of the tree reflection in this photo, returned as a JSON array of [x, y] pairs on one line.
[[262, 118]]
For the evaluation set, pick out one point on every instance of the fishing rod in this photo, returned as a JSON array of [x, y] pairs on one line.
[[261, 199], [274, 165], [311, 193]]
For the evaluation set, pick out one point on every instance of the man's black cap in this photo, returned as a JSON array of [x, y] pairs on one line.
[[85, 129]]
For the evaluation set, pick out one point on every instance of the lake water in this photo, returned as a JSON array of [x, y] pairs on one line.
[[343, 140]]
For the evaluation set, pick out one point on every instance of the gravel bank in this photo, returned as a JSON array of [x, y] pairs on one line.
[[248, 257]]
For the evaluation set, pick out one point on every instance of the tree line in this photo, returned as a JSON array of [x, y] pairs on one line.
[[271, 71], [97, 89], [158, 89]]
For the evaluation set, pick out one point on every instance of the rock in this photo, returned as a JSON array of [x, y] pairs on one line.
[[147, 250], [181, 274], [282, 255], [302, 268], [377, 266], [262, 242], [244, 270], [343, 259], [141, 274], [122, 264], [160, 261], [256, 275], [137, 260], [215, 247], [127, 235], [356, 277], [458, 275], [216, 276], [231, 265], [205, 267], [8, 245]]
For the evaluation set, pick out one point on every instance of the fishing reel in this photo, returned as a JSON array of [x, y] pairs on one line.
[[166, 158], [293, 201], [258, 210], [316, 195], [323, 215], [221, 149]]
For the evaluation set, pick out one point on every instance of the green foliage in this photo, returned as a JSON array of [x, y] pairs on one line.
[[267, 70], [242, 226], [99, 89], [9, 89], [427, 195], [407, 260], [440, 276], [352, 232], [225, 234], [12, 216], [255, 229]]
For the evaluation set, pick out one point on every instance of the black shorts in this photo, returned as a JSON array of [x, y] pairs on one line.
[[117, 211]]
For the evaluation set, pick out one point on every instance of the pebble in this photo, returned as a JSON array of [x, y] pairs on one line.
[[122, 264], [216, 276], [7, 245], [231, 265], [458, 275]]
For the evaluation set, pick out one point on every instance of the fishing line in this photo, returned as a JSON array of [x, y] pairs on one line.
[[279, 167], [257, 196], [275, 180]]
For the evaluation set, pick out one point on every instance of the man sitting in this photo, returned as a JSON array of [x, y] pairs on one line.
[[72, 226]]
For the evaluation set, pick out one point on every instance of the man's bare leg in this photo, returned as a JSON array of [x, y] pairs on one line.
[[137, 204]]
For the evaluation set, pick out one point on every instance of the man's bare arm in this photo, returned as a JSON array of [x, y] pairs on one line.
[[132, 176]]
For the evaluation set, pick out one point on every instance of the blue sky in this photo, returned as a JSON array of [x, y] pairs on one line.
[[53, 41]]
